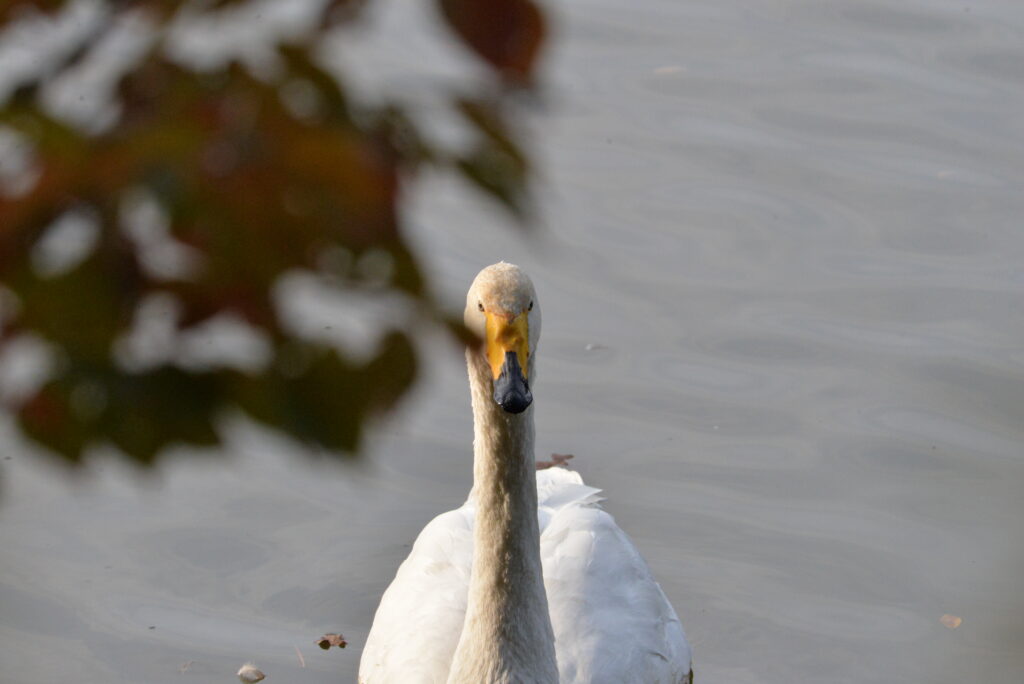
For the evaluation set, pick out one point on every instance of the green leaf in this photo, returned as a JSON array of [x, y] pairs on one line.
[[140, 413], [501, 175]]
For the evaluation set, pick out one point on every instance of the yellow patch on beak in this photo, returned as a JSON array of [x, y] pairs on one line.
[[507, 333]]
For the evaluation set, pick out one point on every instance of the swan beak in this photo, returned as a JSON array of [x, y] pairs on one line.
[[507, 353]]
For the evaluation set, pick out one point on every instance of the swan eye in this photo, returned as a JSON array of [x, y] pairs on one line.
[[530, 308], [480, 305]]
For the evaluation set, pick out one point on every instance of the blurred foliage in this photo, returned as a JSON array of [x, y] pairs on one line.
[[250, 187]]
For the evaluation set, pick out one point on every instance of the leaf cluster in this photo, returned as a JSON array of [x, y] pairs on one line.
[[248, 177]]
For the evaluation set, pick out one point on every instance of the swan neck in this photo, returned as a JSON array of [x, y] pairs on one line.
[[507, 634]]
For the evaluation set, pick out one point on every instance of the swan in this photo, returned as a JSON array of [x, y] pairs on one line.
[[530, 581]]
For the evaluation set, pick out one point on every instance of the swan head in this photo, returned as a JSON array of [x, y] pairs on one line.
[[501, 308]]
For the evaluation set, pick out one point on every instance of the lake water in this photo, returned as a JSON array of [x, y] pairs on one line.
[[782, 275]]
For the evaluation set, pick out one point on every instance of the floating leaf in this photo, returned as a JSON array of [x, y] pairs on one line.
[[557, 461], [950, 621], [328, 640]]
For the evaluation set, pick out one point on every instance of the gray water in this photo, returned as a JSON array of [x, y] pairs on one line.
[[781, 271]]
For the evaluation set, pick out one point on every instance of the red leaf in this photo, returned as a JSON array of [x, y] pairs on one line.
[[506, 33]]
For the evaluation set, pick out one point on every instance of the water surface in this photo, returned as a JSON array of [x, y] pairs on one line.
[[782, 277]]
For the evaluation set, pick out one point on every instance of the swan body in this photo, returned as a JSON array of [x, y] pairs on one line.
[[530, 581]]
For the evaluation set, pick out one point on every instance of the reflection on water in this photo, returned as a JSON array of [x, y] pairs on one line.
[[782, 284]]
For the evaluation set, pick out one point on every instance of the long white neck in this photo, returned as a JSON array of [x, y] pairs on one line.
[[507, 636]]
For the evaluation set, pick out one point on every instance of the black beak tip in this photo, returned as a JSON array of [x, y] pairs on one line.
[[511, 390], [515, 402]]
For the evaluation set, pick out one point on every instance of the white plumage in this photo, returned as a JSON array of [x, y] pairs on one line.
[[612, 622]]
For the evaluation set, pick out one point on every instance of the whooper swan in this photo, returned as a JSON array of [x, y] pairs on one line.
[[529, 582]]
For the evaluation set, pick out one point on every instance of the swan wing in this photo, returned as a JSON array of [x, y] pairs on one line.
[[419, 620], [612, 621]]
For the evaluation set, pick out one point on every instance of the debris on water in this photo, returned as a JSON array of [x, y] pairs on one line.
[[669, 69], [557, 461], [951, 621], [302, 661], [591, 346], [328, 640], [250, 674]]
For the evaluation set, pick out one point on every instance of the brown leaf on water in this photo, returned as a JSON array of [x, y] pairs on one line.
[[328, 640], [557, 461], [951, 621]]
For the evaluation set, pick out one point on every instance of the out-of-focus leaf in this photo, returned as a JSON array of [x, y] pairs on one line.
[[48, 419], [493, 169], [395, 126], [167, 406], [487, 117], [460, 332], [139, 413], [13, 9], [391, 373], [254, 178], [406, 273], [83, 309], [508, 34], [333, 105], [61, 155], [496, 164], [318, 397]]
